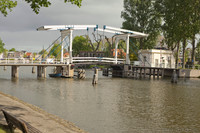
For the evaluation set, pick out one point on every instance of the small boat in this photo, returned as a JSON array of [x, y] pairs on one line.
[[55, 75]]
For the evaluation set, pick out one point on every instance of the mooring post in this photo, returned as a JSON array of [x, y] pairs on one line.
[[136, 74], [174, 77], [140, 72], [81, 74], [14, 72], [163, 72], [149, 72], [133, 71], [154, 73], [33, 69], [144, 72], [41, 71], [95, 77], [4, 68], [158, 73]]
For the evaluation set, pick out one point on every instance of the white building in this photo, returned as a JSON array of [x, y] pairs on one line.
[[157, 58]]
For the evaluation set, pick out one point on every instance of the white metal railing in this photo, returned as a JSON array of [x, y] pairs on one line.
[[97, 59], [55, 61]]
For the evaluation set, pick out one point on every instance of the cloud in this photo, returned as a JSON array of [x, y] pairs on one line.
[[18, 29]]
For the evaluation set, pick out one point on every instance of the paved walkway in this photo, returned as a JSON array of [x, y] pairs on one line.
[[43, 121]]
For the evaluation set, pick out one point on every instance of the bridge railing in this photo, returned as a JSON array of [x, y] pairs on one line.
[[28, 61], [55, 61], [97, 59]]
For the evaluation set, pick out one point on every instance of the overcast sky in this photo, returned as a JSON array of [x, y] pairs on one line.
[[18, 29]]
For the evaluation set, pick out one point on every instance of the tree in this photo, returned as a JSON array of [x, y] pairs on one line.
[[80, 43], [98, 41], [139, 15], [2, 49], [34, 4], [198, 51], [55, 51], [12, 50], [180, 22], [43, 52]]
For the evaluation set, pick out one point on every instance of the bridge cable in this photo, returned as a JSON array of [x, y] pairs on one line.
[[48, 47], [56, 47]]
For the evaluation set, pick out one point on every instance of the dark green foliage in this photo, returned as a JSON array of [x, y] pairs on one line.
[[34, 4], [55, 51], [12, 50], [80, 43], [2, 49], [7, 5], [139, 15]]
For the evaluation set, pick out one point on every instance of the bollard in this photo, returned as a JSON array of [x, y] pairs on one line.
[[4, 68], [81, 74], [95, 77], [174, 77], [33, 69]]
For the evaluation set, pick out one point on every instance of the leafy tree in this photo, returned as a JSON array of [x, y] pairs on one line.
[[98, 42], [139, 15], [34, 54], [12, 50], [55, 51], [2, 49], [43, 52], [80, 43], [34, 4], [180, 22], [198, 51]]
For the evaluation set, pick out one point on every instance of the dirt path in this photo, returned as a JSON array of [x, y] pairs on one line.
[[45, 122]]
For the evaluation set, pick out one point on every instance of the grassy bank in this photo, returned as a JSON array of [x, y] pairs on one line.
[[4, 129]]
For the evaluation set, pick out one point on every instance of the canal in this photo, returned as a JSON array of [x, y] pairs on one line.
[[114, 105]]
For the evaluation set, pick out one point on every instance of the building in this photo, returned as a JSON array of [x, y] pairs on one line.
[[29, 55], [120, 53], [91, 54], [157, 58], [11, 54], [65, 55], [1, 55]]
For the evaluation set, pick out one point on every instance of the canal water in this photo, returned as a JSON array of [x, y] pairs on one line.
[[114, 105]]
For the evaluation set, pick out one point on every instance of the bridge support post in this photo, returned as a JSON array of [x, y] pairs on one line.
[[140, 72], [149, 72], [144, 72], [4, 68], [158, 73], [41, 71], [154, 73], [15, 73], [174, 77], [95, 77], [136, 73], [33, 69], [127, 50], [163, 72], [116, 45]]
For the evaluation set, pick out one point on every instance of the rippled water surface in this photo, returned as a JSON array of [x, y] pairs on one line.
[[114, 105]]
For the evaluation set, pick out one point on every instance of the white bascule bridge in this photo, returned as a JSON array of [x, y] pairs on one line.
[[119, 34]]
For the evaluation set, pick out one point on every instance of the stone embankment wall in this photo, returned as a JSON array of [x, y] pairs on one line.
[[189, 73]]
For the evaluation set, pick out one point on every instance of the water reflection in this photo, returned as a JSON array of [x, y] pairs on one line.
[[114, 104]]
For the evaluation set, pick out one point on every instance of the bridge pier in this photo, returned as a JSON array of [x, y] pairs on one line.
[[158, 73], [149, 72], [15, 71], [154, 73], [41, 71]]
